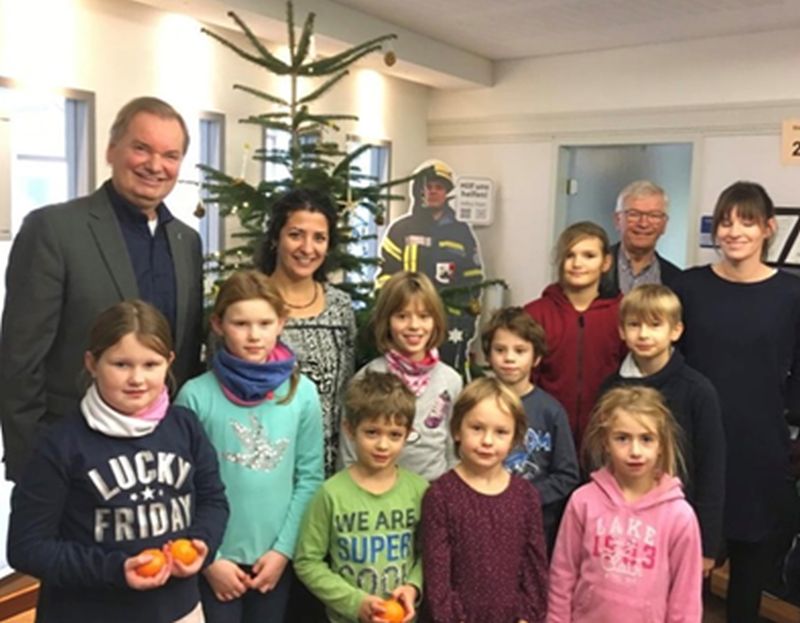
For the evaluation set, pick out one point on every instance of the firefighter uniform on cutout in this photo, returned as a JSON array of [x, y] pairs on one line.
[[431, 240]]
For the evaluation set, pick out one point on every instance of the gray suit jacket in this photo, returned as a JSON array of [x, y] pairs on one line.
[[68, 263]]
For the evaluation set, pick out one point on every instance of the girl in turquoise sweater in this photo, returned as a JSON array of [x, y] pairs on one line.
[[264, 420]]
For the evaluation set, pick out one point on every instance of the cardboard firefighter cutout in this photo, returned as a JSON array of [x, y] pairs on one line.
[[431, 240]]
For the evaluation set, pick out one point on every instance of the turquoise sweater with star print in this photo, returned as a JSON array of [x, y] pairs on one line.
[[270, 460], [354, 543]]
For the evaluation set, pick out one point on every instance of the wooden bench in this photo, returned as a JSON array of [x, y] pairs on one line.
[[772, 608], [18, 594]]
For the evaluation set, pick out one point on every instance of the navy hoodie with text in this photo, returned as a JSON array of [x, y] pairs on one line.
[[87, 502]]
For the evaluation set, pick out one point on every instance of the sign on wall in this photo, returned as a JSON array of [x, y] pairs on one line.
[[474, 200], [790, 142]]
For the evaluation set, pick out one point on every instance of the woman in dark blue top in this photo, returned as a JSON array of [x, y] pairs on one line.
[[742, 321]]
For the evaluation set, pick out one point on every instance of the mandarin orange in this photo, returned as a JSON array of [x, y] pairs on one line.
[[183, 551], [157, 562], [393, 611]]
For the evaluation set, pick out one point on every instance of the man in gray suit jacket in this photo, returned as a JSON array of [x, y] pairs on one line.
[[72, 260]]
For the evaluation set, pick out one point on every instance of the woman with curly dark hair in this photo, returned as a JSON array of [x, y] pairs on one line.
[[321, 324]]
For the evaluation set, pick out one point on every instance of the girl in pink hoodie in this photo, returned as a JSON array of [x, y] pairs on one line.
[[629, 544]]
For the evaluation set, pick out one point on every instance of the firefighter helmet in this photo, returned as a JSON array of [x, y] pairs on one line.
[[432, 170]]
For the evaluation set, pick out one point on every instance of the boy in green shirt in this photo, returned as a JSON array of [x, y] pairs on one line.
[[357, 543]]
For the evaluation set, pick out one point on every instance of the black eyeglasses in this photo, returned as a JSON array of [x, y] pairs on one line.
[[652, 217]]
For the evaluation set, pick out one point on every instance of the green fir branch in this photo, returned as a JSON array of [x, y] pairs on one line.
[[266, 56], [451, 294], [262, 95], [346, 58], [290, 29], [345, 163], [305, 42], [272, 65], [265, 123], [322, 121], [324, 88]]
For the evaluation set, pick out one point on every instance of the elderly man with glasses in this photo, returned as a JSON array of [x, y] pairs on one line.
[[641, 218]]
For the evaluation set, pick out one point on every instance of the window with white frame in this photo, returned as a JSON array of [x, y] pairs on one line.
[[212, 154], [374, 163], [274, 140], [47, 141], [277, 141]]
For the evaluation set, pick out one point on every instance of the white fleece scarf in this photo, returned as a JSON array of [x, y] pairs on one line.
[[102, 418]]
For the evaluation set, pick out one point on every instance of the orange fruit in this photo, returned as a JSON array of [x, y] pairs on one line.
[[393, 611], [157, 562], [183, 551]]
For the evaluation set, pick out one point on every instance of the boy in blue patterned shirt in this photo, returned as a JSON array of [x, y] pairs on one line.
[[514, 344]]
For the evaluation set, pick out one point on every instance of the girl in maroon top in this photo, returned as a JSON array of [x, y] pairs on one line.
[[582, 328], [483, 552]]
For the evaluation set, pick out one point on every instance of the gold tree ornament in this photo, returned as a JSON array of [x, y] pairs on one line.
[[199, 210], [389, 55], [474, 307]]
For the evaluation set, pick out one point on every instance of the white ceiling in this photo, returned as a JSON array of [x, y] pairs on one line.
[[503, 29]]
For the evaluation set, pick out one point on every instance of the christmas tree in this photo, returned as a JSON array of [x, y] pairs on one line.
[[310, 159]]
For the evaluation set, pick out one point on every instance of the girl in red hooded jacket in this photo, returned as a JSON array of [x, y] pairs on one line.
[[582, 328]]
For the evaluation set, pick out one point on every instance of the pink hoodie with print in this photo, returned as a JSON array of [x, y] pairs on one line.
[[618, 561]]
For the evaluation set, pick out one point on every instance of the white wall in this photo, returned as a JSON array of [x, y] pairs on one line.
[[743, 68], [725, 95]]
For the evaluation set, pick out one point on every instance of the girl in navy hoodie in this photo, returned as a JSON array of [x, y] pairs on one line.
[[583, 342], [127, 473]]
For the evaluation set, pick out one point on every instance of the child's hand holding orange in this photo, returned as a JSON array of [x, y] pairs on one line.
[[371, 609], [403, 596], [187, 556], [149, 569], [398, 609], [393, 611]]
